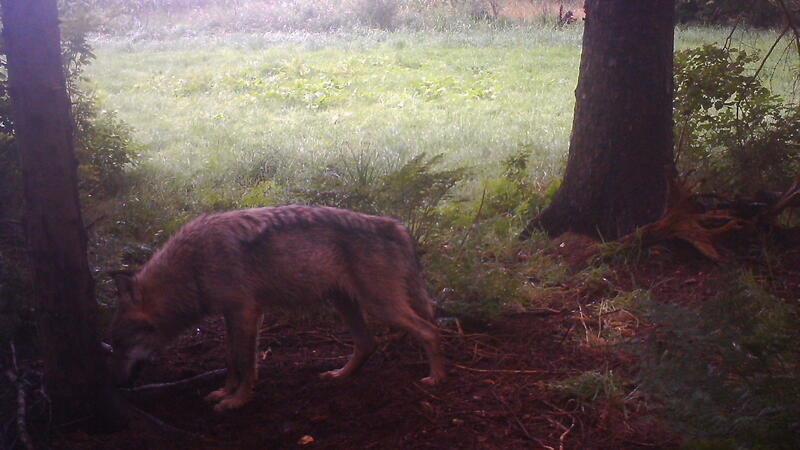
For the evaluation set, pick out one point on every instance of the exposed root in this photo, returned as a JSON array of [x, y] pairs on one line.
[[687, 221]]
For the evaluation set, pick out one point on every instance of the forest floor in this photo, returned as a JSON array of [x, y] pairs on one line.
[[564, 375], [536, 379]]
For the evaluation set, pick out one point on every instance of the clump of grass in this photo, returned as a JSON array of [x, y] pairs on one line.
[[591, 386]]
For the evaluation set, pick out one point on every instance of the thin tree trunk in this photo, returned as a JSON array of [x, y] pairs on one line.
[[620, 152], [74, 368]]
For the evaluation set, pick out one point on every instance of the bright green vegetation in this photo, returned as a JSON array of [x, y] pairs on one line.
[[223, 112], [216, 110]]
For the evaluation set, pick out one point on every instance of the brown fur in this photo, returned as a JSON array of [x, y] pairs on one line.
[[238, 263]]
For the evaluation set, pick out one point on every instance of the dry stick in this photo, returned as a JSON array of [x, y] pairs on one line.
[[513, 414], [186, 383], [512, 371], [13, 376], [564, 435], [583, 322]]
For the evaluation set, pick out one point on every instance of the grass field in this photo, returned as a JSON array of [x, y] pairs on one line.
[[219, 114]]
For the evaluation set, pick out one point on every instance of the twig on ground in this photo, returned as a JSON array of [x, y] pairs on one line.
[[161, 425], [511, 371], [513, 414], [540, 312], [564, 435], [583, 322], [187, 383]]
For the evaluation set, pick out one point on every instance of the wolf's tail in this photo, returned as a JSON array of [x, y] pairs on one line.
[[421, 301]]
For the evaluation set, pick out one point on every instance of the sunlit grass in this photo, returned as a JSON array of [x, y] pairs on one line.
[[204, 110], [219, 114]]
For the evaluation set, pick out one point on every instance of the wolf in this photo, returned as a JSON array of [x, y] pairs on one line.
[[239, 263]]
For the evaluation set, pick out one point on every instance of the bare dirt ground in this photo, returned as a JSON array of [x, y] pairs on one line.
[[497, 395], [502, 393]]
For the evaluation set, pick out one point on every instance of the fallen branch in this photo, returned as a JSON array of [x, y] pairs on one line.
[[512, 371], [149, 390]]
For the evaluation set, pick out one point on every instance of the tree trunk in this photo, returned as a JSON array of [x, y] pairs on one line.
[[620, 153], [74, 368]]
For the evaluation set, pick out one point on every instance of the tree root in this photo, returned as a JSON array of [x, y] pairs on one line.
[[686, 220]]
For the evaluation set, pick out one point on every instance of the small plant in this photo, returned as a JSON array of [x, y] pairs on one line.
[[591, 386], [413, 192]]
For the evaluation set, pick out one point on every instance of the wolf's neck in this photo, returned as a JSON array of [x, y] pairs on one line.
[[181, 303], [175, 273]]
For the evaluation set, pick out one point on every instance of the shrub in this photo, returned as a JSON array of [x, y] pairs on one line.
[[104, 146], [732, 133], [413, 192]]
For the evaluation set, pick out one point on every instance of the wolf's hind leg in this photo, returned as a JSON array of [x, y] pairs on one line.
[[400, 314], [243, 326], [363, 340], [232, 379]]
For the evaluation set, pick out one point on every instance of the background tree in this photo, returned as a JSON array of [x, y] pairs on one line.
[[621, 146], [74, 369]]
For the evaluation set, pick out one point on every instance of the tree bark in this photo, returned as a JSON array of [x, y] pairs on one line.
[[620, 153], [74, 368]]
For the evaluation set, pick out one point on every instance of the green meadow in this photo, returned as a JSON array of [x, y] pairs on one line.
[[219, 115]]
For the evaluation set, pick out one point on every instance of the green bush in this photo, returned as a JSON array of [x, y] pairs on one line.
[[104, 146], [732, 134]]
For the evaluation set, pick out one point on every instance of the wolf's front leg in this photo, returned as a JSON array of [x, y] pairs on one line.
[[233, 377], [363, 340], [243, 331]]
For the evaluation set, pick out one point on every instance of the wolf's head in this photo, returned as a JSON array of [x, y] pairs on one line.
[[134, 336]]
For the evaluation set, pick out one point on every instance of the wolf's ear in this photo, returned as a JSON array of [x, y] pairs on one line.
[[124, 279]]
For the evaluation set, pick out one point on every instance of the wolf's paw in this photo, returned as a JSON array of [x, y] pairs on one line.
[[217, 395], [432, 380], [337, 374], [229, 404]]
